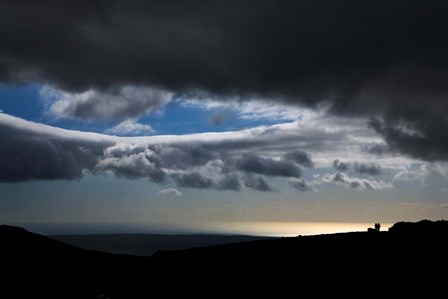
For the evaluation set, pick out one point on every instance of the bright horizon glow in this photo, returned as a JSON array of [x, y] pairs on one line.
[[252, 228], [291, 229]]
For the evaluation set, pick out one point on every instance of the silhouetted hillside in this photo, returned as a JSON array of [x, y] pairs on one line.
[[334, 252], [424, 227], [20, 248], [35, 264], [148, 244], [398, 261]]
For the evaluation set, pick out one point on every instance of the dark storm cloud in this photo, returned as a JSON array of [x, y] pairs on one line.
[[420, 132], [367, 57], [307, 49], [27, 155], [252, 163], [300, 157], [358, 167], [44, 158]]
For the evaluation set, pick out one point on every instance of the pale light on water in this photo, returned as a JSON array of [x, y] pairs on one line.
[[287, 229], [260, 228]]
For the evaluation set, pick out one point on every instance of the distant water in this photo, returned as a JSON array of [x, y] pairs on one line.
[[275, 229], [287, 229]]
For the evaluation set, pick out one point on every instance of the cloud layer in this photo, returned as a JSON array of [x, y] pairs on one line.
[[130, 127], [316, 49], [170, 192], [299, 157], [415, 132], [234, 161], [368, 168], [37, 152], [114, 103], [342, 179], [113, 59], [266, 166]]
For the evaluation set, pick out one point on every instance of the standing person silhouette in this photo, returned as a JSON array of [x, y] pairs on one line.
[[377, 226]]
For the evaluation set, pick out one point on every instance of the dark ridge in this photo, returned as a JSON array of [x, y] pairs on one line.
[[410, 258], [148, 244], [423, 227]]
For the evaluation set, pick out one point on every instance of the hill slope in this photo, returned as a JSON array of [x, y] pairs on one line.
[[147, 244], [399, 260], [407, 247]]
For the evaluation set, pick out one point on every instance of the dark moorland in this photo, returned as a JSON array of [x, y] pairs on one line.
[[148, 244], [410, 257]]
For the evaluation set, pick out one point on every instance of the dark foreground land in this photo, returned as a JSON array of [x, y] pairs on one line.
[[148, 244], [411, 257]]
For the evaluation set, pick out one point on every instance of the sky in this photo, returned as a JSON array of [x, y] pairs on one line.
[[212, 116]]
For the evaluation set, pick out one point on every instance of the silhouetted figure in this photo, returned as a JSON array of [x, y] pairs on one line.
[[377, 227], [374, 230]]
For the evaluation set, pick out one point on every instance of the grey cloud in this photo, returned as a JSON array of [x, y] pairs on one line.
[[357, 183], [113, 103], [192, 180], [130, 127], [201, 179], [368, 168], [312, 137], [183, 157], [358, 167], [435, 169], [301, 185], [340, 166], [229, 182], [378, 149], [36, 151], [342, 178], [255, 164], [165, 156], [300, 157], [215, 174], [421, 172], [134, 166], [31, 151], [189, 166], [170, 192], [257, 183]]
